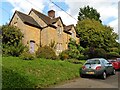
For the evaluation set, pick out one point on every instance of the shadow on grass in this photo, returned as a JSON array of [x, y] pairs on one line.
[[12, 79]]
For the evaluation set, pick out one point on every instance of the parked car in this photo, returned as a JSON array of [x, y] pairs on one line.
[[97, 67], [115, 63]]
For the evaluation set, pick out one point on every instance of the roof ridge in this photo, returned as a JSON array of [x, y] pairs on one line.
[[26, 18], [40, 13], [21, 12]]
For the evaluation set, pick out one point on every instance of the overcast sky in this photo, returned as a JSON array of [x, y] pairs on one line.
[[108, 9]]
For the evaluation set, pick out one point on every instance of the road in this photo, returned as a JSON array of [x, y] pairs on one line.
[[110, 82]]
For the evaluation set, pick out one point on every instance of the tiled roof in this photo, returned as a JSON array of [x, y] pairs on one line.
[[68, 28], [54, 20], [45, 18], [27, 19]]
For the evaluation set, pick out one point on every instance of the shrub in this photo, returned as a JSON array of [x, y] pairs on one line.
[[95, 53], [112, 55], [99, 53], [46, 52], [75, 61], [27, 56], [64, 55], [13, 50], [11, 40], [82, 57]]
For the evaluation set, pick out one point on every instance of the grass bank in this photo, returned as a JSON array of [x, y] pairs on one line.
[[38, 73]]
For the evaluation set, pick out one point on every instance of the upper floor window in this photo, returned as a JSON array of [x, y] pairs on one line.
[[59, 29], [73, 35]]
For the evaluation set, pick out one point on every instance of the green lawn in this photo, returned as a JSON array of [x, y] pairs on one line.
[[36, 73]]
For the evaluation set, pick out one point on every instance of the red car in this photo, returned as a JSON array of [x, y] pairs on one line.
[[115, 63]]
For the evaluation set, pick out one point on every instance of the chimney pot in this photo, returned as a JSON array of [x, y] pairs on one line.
[[51, 14]]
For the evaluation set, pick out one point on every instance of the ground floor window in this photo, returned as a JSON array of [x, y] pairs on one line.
[[59, 48]]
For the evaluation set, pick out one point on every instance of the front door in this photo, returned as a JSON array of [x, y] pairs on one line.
[[32, 46]]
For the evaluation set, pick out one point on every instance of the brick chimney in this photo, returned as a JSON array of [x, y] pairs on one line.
[[51, 14]]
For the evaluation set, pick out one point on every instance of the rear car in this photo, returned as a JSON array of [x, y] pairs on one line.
[[115, 63], [97, 67]]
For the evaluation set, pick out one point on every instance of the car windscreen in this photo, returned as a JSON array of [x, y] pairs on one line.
[[92, 62]]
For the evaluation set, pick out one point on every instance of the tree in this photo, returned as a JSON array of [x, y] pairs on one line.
[[93, 34], [89, 12], [11, 40], [11, 35]]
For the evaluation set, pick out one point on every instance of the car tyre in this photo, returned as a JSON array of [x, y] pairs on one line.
[[113, 72], [104, 75], [82, 76]]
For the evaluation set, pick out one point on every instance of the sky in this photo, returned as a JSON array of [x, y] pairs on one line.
[[108, 9]]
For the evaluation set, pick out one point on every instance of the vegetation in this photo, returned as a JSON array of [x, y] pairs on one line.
[[46, 52], [11, 41], [89, 12], [94, 34], [64, 55], [27, 56], [74, 51], [98, 40], [38, 73]]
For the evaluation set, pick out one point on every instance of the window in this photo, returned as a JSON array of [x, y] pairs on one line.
[[73, 35], [59, 47], [59, 29]]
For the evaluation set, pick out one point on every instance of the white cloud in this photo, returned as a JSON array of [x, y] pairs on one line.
[[66, 18], [114, 24], [106, 8], [26, 5]]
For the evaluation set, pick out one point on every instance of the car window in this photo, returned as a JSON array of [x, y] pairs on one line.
[[92, 62], [104, 62]]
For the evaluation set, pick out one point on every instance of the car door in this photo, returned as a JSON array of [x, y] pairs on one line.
[[109, 67]]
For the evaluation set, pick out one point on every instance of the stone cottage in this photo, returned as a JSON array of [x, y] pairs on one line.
[[40, 30]]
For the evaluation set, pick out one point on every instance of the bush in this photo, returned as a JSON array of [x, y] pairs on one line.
[[27, 56], [82, 57], [11, 41], [64, 55], [46, 52], [10, 50], [95, 53], [112, 55], [75, 61], [99, 53]]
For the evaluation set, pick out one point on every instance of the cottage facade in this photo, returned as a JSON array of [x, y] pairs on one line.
[[40, 30]]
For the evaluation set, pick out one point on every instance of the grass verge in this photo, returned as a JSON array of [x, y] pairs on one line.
[[38, 73]]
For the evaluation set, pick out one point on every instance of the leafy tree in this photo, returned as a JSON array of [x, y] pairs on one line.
[[74, 50], [93, 34], [11, 35], [89, 12], [11, 40]]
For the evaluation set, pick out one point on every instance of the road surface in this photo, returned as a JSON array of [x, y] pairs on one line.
[[110, 82]]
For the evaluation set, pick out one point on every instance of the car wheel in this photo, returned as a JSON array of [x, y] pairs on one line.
[[82, 76], [113, 72], [104, 76]]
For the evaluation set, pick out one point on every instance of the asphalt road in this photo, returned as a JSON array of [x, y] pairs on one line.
[[110, 82]]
